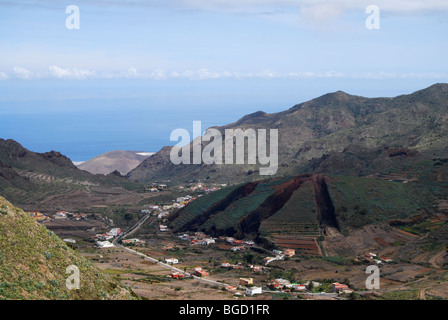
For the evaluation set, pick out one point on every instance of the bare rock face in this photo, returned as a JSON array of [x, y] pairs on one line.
[[121, 161], [334, 132]]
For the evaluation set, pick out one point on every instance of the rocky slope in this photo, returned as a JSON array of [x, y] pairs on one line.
[[121, 161], [28, 179], [329, 126]]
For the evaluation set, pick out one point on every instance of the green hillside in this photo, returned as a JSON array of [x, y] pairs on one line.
[[33, 262], [362, 201], [304, 205]]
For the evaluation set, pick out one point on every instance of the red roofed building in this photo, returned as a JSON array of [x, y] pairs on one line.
[[199, 272], [338, 287]]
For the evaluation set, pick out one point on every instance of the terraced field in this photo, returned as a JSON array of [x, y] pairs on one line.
[[302, 245], [298, 217], [232, 215], [196, 210]]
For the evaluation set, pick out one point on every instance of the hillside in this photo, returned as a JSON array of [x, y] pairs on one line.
[[121, 161], [304, 205], [50, 181], [33, 262], [333, 131]]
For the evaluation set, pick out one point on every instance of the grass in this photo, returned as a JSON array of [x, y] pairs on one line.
[[34, 262], [400, 295], [362, 201], [298, 216]]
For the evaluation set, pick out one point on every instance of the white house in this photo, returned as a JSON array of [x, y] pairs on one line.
[[104, 244], [253, 290], [171, 261], [114, 232]]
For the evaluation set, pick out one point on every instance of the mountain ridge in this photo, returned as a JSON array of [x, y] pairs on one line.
[[324, 125], [119, 160]]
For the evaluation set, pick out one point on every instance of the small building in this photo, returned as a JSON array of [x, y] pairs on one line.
[[246, 281], [104, 244], [299, 287], [279, 284], [199, 272], [114, 232], [289, 252], [337, 287], [69, 240], [177, 275], [171, 261], [230, 288], [253, 290], [61, 215], [130, 241], [257, 268]]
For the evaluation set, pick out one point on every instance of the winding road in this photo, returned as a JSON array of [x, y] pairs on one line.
[[149, 258]]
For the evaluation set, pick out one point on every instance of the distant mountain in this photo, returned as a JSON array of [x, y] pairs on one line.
[[122, 161], [330, 133], [34, 260], [43, 180]]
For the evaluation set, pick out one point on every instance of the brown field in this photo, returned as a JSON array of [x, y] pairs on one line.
[[133, 271], [382, 242], [307, 246]]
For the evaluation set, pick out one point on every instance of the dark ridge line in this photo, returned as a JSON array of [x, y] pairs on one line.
[[237, 194], [251, 223], [324, 204]]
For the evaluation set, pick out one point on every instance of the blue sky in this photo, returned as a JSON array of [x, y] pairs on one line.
[[136, 70]]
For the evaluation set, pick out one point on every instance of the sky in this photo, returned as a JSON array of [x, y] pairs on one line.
[[136, 70]]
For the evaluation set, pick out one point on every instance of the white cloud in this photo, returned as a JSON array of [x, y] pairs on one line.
[[260, 6], [23, 73], [253, 6], [70, 73], [55, 72]]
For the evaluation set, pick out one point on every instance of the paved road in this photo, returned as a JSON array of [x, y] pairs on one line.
[[149, 258]]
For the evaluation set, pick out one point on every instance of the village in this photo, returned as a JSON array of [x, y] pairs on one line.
[[60, 215], [241, 286], [244, 277]]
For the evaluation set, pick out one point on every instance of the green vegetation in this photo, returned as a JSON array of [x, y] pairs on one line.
[[362, 201], [199, 206], [298, 216], [400, 295], [33, 263], [234, 213]]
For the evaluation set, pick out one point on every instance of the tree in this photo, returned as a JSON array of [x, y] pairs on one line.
[[311, 286], [249, 258], [128, 217]]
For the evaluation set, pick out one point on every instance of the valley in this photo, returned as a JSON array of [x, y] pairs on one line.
[[350, 192]]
